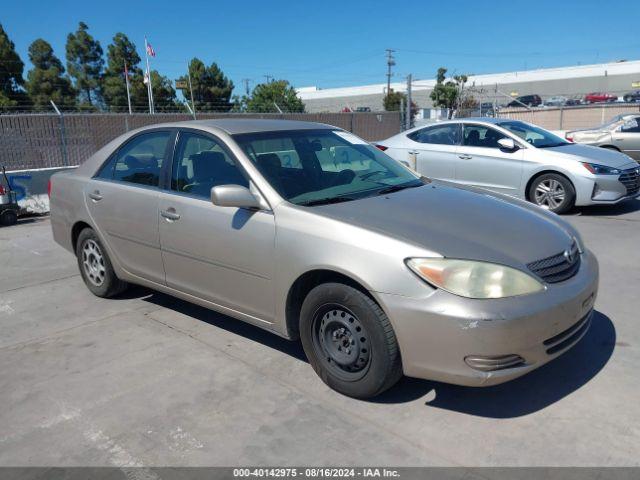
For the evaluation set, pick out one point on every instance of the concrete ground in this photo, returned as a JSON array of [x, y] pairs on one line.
[[150, 380]]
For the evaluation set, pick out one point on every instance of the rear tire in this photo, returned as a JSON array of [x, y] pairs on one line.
[[349, 341], [95, 266], [552, 192], [8, 218]]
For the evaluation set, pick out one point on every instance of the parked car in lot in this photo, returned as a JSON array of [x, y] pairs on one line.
[[556, 101], [308, 231], [599, 97], [621, 133], [632, 96], [519, 159], [528, 100]]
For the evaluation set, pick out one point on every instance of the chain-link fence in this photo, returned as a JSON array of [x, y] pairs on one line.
[[41, 140]]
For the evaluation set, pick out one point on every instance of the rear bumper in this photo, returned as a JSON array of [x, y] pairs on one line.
[[438, 332]]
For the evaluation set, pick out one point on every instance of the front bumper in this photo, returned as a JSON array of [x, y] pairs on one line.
[[607, 189], [438, 332]]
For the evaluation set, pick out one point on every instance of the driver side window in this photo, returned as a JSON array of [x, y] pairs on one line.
[[200, 163], [481, 136]]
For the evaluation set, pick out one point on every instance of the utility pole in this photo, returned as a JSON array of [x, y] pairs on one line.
[[408, 116], [391, 61], [269, 78], [246, 82], [193, 105]]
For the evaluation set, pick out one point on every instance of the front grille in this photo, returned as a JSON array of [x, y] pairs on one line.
[[566, 338], [557, 268], [631, 180]]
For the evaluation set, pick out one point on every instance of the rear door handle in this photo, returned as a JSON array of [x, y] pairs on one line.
[[95, 196], [465, 157], [170, 214]]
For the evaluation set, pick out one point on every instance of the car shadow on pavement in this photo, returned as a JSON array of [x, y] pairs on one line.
[[623, 208], [222, 321], [528, 394]]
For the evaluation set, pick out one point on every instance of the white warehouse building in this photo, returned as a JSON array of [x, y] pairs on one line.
[[572, 82]]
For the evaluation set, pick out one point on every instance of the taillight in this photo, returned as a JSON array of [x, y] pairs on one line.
[[49, 188], [381, 147], [3, 190], [568, 138]]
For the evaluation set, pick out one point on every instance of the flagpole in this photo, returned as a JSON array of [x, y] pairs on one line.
[[149, 92], [126, 79]]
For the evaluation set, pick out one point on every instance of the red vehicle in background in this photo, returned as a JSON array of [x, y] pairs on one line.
[[599, 97]]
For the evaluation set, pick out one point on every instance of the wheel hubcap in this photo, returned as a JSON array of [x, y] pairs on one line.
[[549, 194], [93, 263], [341, 340]]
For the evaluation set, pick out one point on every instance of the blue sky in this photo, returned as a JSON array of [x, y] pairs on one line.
[[339, 43]]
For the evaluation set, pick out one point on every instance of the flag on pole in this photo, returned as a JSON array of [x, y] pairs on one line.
[[150, 51], [145, 80]]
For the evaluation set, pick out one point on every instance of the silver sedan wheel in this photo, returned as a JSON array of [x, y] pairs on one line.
[[93, 263], [550, 194]]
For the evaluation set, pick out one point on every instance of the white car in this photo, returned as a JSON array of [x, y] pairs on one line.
[[518, 159]]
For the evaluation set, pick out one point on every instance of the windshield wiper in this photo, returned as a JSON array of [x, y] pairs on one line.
[[397, 188], [326, 201]]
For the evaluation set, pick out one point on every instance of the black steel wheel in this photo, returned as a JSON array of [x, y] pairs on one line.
[[341, 342], [349, 340]]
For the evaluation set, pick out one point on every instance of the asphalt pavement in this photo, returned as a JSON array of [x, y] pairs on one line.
[[149, 380]]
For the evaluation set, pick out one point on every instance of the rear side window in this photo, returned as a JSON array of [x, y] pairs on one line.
[[200, 164], [438, 135], [631, 126], [138, 161]]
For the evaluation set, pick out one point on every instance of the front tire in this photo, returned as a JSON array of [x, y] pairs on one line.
[[349, 341], [552, 192], [95, 266]]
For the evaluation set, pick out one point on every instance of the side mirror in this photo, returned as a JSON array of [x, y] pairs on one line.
[[234, 196], [507, 144]]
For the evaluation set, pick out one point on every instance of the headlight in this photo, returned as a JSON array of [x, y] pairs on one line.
[[600, 169], [473, 279]]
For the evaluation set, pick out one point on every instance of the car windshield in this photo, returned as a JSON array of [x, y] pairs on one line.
[[536, 136], [313, 167]]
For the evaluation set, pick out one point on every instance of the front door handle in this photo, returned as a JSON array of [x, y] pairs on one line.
[[95, 196], [170, 214], [413, 152], [464, 156]]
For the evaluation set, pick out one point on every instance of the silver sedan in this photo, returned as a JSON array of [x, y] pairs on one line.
[[621, 133], [309, 232], [518, 159]]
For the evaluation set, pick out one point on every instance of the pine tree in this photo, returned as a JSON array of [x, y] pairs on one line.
[[211, 88], [46, 81], [84, 63], [114, 88], [11, 70]]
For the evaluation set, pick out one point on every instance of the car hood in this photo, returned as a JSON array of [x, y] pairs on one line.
[[587, 153], [458, 222]]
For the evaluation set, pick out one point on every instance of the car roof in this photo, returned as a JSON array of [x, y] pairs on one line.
[[235, 126]]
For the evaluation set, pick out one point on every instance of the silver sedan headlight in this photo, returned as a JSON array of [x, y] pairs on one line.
[[473, 279]]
